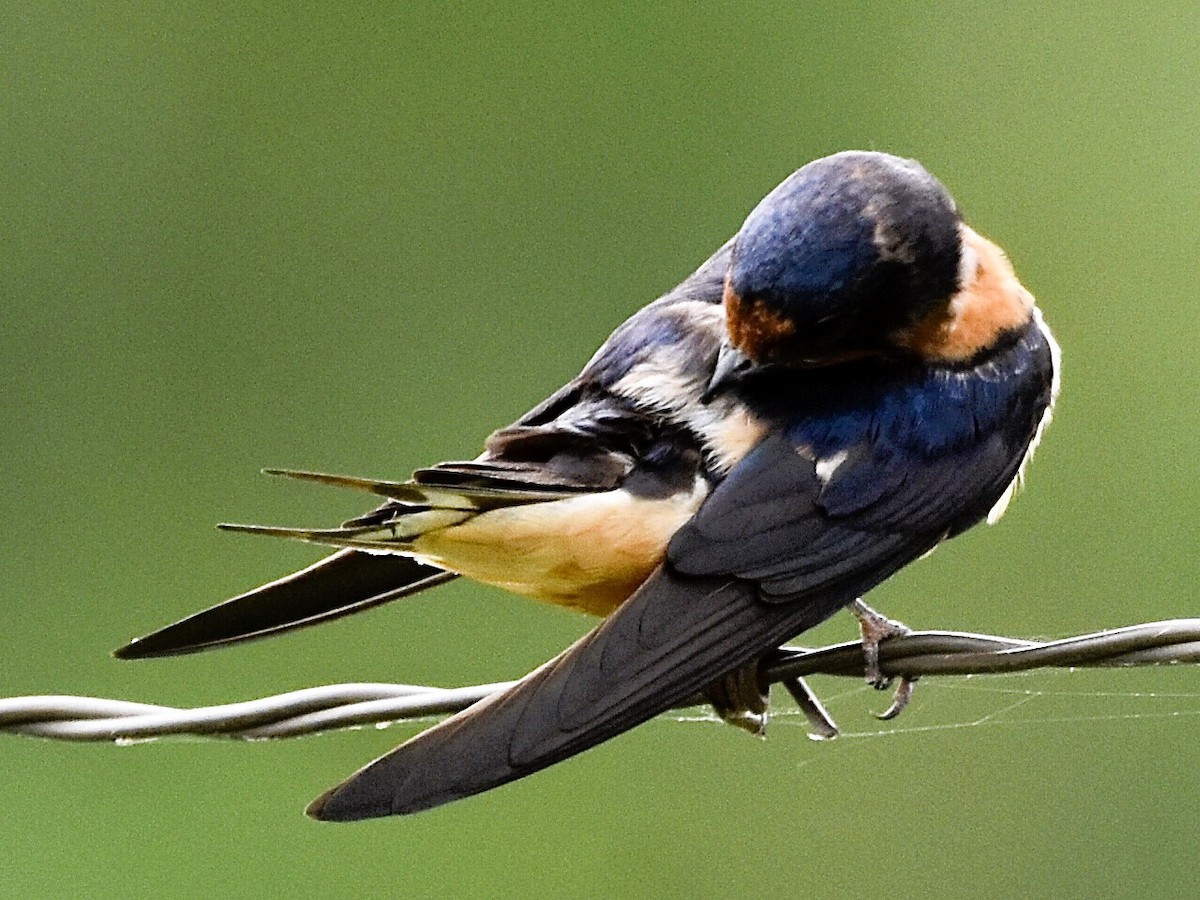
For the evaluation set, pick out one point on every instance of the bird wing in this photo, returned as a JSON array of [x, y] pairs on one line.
[[338, 585], [675, 635], [355, 578], [871, 481], [796, 535], [786, 539], [565, 447], [576, 440], [678, 633]]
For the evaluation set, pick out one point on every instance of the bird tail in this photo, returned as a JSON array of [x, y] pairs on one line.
[[412, 510], [338, 585], [371, 568]]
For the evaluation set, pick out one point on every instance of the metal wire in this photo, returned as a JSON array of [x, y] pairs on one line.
[[915, 655]]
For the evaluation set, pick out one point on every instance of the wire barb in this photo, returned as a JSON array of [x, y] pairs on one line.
[[311, 710]]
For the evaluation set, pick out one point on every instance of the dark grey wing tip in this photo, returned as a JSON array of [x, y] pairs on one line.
[[326, 809], [348, 802], [167, 642], [180, 639], [339, 585], [135, 649]]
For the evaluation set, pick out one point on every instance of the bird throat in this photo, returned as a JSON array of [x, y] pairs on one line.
[[991, 302]]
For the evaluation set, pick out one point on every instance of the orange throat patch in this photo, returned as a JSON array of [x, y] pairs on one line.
[[990, 302], [752, 327]]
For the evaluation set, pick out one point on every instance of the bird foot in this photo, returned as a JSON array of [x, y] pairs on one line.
[[875, 628], [741, 699], [821, 726]]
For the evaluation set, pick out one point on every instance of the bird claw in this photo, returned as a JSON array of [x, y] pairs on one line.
[[875, 628], [821, 726], [900, 700]]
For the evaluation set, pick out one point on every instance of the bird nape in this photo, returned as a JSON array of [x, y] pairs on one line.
[[854, 377]]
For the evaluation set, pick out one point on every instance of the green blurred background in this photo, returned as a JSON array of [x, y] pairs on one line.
[[353, 240]]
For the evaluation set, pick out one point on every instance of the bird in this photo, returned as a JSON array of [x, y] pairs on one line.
[[853, 378]]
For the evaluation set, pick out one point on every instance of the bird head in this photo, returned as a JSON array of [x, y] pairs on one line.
[[854, 255]]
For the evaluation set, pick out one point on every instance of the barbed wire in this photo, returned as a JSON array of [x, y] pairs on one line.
[[311, 710]]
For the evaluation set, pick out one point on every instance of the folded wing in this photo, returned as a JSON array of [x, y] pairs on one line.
[[338, 585], [674, 636]]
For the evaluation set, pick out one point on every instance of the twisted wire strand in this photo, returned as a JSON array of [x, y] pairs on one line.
[[317, 709]]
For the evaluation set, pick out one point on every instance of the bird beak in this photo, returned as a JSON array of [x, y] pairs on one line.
[[732, 365]]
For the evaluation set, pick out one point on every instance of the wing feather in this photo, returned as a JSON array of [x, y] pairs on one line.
[[672, 638], [338, 585], [779, 529]]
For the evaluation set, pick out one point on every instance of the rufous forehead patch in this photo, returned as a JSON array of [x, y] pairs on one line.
[[989, 302], [753, 328]]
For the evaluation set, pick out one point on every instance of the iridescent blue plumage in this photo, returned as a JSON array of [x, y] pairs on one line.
[[853, 378], [846, 250]]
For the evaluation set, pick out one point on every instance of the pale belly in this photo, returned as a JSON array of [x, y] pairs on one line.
[[588, 553]]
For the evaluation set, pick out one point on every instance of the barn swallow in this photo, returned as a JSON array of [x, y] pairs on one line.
[[853, 378]]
